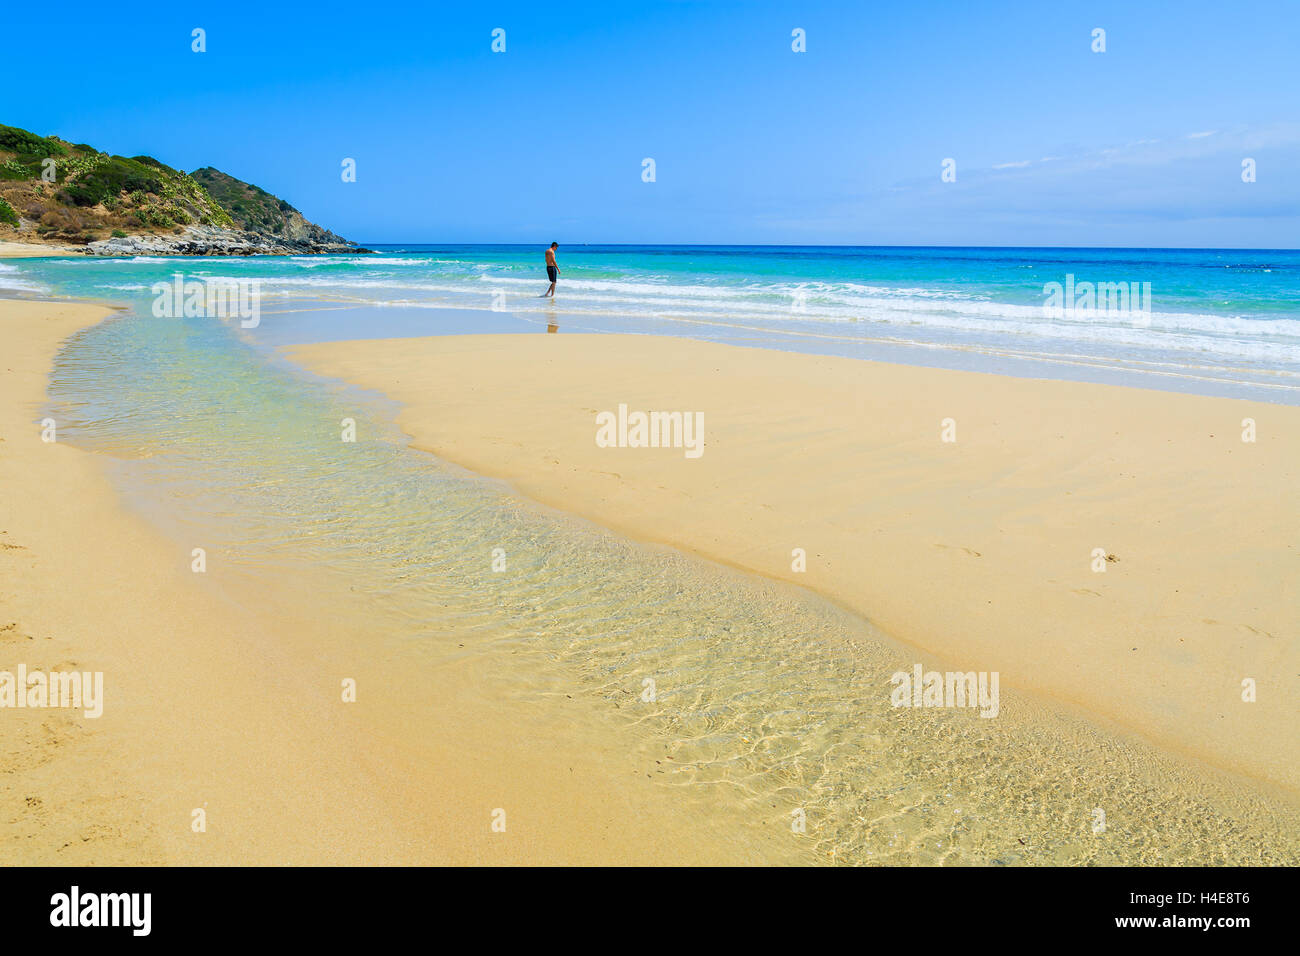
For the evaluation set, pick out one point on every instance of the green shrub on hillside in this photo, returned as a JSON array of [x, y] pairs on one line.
[[7, 214], [150, 161], [246, 206], [14, 170], [109, 178], [75, 166], [155, 216], [25, 144]]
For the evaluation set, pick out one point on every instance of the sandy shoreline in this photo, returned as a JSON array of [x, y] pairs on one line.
[[219, 695], [980, 550], [209, 707], [35, 250]]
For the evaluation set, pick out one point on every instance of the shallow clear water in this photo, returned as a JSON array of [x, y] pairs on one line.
[[767, 700]]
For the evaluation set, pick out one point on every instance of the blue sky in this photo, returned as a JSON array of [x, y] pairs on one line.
[[1141, 145]]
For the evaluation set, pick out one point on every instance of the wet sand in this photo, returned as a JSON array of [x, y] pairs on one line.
[[981, 550], [209, 707]]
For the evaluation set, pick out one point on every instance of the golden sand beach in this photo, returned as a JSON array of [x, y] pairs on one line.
[[208, 707], [34, 250], [1121, 552], [222, 692]]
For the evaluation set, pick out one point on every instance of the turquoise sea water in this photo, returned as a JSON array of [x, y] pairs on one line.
[[1219, 321], [769, 700]]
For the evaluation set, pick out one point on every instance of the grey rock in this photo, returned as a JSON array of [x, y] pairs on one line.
[[212, 241]]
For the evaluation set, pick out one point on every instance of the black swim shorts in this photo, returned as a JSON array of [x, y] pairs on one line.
[[551, 273]]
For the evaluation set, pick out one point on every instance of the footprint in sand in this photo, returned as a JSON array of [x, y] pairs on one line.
[[950, 547], [1254, 630]]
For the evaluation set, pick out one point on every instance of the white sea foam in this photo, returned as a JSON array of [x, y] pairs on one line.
[[843, 310], [13, 279], [772, 303]]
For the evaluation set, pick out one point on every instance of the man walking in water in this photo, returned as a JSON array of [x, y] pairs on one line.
[[552, 270]]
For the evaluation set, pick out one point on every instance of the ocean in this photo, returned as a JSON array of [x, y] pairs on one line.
[[1221, 322]]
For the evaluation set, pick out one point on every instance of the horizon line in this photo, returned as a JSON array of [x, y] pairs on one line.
[[780, 245]]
